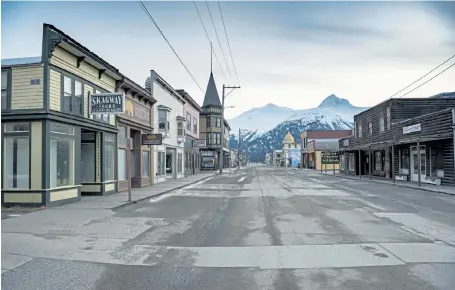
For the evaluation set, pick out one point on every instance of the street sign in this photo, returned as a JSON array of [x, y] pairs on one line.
[[330, 158], [106, 103], [152, 139], [200, 143]]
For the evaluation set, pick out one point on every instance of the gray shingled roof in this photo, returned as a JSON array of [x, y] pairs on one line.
[[211, 94]]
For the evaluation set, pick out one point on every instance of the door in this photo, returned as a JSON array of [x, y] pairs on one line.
[[415, 163]]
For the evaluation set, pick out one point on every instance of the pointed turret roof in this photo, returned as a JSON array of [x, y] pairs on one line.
[[288, 138], [211, 94]]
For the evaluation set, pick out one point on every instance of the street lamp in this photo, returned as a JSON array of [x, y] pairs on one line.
[[221, 155]]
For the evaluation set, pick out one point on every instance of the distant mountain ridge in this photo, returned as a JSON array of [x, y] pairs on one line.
[[263, 129]]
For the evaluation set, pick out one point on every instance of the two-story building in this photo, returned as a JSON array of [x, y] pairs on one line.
[[169, 120], [192, 154], [210, 129], [137, 120], [315, 142], [53, 149], [291, 151], [392, 138]]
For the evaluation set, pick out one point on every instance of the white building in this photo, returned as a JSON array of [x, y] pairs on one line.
[[269, 159], [169, 120]]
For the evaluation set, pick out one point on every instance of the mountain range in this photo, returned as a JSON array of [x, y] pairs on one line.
[[263, 129]]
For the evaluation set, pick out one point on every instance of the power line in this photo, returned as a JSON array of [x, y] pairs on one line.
[[208, 37], [229, 46], [219, 42], [162, 34], [428, 80], [423, 76]]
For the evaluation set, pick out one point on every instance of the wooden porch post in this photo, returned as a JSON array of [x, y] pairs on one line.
[[360, 166], [369, 161], [419, 162], [393, 163], [346, 163]]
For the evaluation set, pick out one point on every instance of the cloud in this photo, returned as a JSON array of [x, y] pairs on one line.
[[292, 54]]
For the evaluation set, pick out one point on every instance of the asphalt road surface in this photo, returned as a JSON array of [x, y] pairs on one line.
[[259, 228]]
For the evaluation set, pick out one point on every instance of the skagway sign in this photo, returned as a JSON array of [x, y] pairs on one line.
[[106, 103]]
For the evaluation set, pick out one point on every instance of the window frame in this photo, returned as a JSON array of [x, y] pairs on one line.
[[73, 80], [112, 142], [195, 125], [180, 127], [8, 89], [188, 121], [370, 128], [381, 124], [166, 122]]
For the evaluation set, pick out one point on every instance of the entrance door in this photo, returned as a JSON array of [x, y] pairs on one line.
[[415, 163]]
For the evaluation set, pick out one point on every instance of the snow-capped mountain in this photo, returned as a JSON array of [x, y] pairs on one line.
[[333, 113]]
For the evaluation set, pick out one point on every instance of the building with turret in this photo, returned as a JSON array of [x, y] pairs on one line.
[[210, 129], [291, 151]]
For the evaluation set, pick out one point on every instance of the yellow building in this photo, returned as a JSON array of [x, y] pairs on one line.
[[290, 151]]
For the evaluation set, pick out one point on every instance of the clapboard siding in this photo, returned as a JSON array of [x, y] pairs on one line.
[[449, 174], [54, 90], [403, 109], [24, 95]]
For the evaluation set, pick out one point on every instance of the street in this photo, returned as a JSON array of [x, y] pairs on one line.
[[255, 228]]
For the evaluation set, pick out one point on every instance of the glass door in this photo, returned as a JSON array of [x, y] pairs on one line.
[[415, 163]]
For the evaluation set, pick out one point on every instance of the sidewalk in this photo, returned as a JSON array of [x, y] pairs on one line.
[[427, 187], [119, 200]]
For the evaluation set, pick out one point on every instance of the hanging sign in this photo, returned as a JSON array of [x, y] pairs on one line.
[[152, 139], [106, 103]]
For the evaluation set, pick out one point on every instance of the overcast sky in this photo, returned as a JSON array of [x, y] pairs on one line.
[[291, 54]]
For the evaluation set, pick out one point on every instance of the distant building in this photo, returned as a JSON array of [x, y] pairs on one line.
[[291, 151], [268, 158], [315, 142], [276, 158]]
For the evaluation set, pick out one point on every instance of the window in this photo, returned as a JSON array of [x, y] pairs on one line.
[[194, 125], [88, 161], [61, 161], [145, 163], [17, 127], [61, 129], [389, 119], [351, 162], [163, 120], [188, 122], [5, 80], [214, 122], [17, 162], [67, 94], [179, 163], [370, 128], [377, 161], [360, 130], [404, 161], [342, 162], [109, 157], [180, 129], [355, 129], [121, 164], [121, 136], [186, 161], [35, 82], [437, 162], [78, 98], [381, 124], [161, 164]]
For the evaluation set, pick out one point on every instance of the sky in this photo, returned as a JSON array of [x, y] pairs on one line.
[[291, 54]]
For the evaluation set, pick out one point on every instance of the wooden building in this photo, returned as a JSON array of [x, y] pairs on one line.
[[386, 138]]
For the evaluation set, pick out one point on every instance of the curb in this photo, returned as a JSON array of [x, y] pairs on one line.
[[392, 184], [158, 194]]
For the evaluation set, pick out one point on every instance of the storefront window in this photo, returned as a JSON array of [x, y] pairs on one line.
[[61, 161], [351, 162], [179, 163], [437, 162], [145, 163], [121, 164], [17, 162], [161, 164], [88, 162], [109, 157], [121, 136], [377, 161], [405, 161]]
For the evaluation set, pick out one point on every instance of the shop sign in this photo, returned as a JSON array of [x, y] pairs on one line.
[[152, 139], [330, 158], [346, 142], [412, 128], [106, 103], [136, 112], [199, 143]]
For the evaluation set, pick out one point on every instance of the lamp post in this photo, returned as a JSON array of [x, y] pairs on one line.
[[221, 155]]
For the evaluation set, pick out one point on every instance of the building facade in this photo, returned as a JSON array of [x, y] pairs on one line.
[[137, 120], [46, 125], [277, 159], [400, 134], [315, 142], [168, 120], [192, 153], [210, 130], [291, 151]]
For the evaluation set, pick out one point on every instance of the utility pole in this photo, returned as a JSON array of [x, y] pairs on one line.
[[238, 150], [220, 157]]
